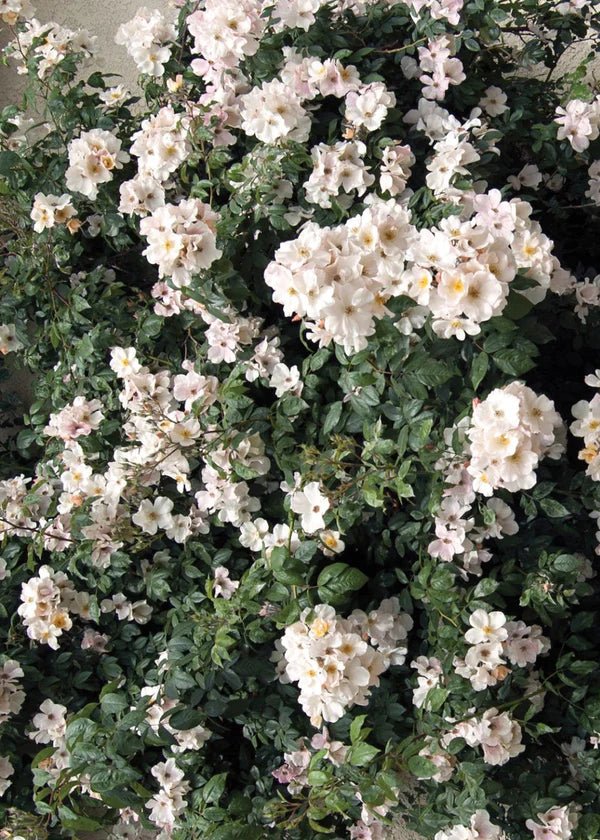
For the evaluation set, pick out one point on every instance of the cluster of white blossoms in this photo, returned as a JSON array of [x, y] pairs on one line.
[[396, 164], [50, 727], [494, 640], [161, 144], [496, 732], [47, 602], [258, 536], [309, 77], [181, 239], [438, 9], [511, 430], [51, 210], [164, 433], [338, 167], [457, 538], [147, 38], [12, 695], [141, 195], [452, 155], [78, 419], [367, 107], [157, 717], [579, 122], [271, 112], [336, 661], [429, 675], [479, 828], [166, 805], [339, 279], [558, 823], [47, 44], [225, 32], [587, 426], [125, 610], [93, 156], [294, 771], [9, 342], [438, 69]]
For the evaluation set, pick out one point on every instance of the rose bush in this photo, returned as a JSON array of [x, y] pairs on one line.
[[298, 534]]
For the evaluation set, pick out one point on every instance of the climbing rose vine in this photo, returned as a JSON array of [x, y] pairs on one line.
[[299, 511]]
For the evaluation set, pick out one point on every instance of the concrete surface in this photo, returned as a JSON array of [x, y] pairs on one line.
[[102, 18]]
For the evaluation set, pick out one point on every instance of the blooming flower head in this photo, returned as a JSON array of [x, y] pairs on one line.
[[9, 342], [311, 505], [50, 210], [92, 157], [223, 586], [486, 627]]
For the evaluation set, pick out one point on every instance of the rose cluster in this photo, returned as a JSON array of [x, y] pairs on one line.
[[479, 828], [511, 430], [494, 640], [48, 601], [147, 38], [336, 661], [496, 732], [181, 239], [93, 157], [587, 426]]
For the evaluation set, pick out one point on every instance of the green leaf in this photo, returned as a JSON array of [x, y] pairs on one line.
[[479, 369], [213, 789], [583, 667], [421, 767], [436, 697], [485, 588], [513, 362], [318, 778], [566, 563], [433, 373], [8, 162], [286, 569], [517, 307], [186, 719], [114, 702], [356, 727], [362, 754], [553, 508], [333, 417], [337, 580]]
